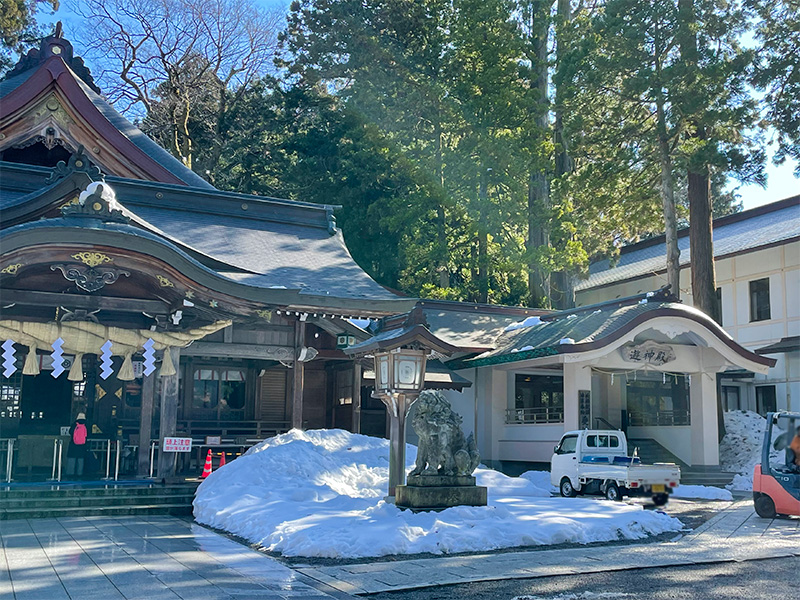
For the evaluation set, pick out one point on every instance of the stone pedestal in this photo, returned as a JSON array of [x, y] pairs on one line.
[[437, 492]]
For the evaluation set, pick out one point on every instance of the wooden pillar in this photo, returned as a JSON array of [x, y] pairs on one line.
[[356, 425], [169, 416], [297, 375], [146, 424]]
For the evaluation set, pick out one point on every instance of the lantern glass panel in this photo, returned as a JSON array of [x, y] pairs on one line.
[[383, 369], [408, 370]]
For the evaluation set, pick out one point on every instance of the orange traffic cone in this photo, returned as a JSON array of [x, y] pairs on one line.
[[207, 469], [221, 459]]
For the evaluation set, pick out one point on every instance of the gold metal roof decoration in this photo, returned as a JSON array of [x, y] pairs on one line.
[[11, 269], [92, 259], [164, 282]]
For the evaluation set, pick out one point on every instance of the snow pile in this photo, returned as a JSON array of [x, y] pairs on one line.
[[740, 449], [541, 480], [701, 492], [320, 493], [529, 322]]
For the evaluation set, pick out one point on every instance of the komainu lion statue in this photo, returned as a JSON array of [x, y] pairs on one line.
[[442, 447]]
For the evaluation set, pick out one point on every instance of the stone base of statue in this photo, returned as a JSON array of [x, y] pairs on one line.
[[437, 492]]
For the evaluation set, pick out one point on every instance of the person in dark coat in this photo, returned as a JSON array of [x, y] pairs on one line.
[[76, 452]]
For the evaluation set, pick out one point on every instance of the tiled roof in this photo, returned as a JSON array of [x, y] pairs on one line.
[[743, 231], [273, 244], [35, 60], [586, 329], [471, 326], [144, 143]]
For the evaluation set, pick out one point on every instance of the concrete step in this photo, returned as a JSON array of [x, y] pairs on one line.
[[30, 500], [713, 479], [50, 502], [67, 490], [134, 509]]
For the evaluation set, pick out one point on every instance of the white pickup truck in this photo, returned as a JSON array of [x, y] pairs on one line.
[[595, 461]]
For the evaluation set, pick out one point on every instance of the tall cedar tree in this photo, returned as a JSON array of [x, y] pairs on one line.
[[776, 71]]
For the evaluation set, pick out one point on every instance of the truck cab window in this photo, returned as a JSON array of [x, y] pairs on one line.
[[568, 445]]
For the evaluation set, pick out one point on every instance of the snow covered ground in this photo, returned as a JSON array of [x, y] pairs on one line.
[[701, 492], [740, 449], [320, 494]]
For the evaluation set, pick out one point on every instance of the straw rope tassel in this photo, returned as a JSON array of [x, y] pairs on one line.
[[76, 370], [167, 366], [31, 362]]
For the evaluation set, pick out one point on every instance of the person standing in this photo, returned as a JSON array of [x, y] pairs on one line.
[[794, 446], [76, 452]]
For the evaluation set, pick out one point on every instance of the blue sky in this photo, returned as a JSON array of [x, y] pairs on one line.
[[781, 182]]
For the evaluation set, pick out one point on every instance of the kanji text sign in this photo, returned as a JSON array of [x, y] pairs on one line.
[[176, 444]]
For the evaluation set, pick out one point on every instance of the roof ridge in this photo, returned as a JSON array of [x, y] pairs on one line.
[[719, 222]]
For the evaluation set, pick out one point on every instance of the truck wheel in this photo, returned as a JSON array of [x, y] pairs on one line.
[[660, 499], [566, 488], [765, 507], [613, 493]]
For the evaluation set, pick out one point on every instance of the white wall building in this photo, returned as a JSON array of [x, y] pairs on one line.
[[645, 364], [757, 260]]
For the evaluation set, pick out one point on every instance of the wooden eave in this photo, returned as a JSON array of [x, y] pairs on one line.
[[107, 146]]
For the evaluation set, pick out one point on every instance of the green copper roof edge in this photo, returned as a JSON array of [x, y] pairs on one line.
[[500, 359]]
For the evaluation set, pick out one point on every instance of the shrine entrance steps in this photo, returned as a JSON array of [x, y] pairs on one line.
[[650, 451], [69, 499]]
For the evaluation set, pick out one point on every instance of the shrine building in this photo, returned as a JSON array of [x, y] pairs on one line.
[[137, 293]]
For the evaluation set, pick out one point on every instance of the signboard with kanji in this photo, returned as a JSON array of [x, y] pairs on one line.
[[650, 352], [176, 444]]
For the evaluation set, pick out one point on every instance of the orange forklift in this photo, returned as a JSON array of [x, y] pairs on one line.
[[776, 488]]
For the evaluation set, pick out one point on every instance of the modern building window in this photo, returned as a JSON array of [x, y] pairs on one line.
[[537, 399], [730, 397], [658, 400], [765, 399], [759, 300]]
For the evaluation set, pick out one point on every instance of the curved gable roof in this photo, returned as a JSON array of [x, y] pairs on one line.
[[572, 332], [20, 91]]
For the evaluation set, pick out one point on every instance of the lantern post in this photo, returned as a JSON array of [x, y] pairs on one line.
[[400, 349]]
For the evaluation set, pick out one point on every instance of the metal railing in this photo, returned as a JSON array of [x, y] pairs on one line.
[[7, 452], [58, 450], [197, 428], [667, 418], [539, 415], [598, 420]]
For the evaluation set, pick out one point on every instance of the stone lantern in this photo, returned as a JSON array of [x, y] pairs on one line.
[[400, 348]]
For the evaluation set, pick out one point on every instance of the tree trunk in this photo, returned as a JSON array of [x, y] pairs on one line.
[[441, 232], [704, 285], [483, 240], [538, 188], [668, 202], [562, 284], [538, 208]]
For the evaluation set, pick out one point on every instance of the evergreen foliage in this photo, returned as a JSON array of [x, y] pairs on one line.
[[481, 148]]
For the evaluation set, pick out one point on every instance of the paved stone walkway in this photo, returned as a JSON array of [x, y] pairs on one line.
[[735, 534], [138, 558]]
